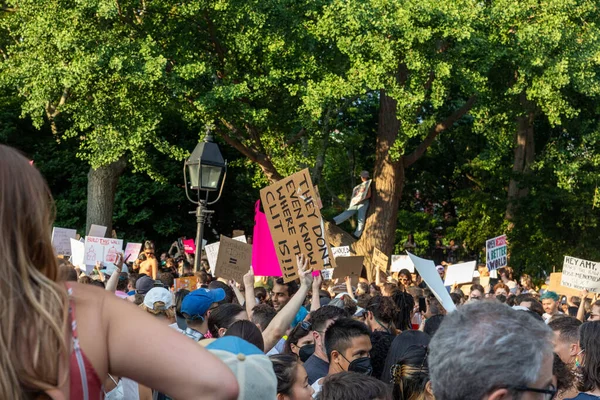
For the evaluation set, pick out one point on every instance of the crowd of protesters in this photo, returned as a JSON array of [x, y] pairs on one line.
[[126, 333]]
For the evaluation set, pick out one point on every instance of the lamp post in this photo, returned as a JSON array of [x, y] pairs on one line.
[[207, 170]]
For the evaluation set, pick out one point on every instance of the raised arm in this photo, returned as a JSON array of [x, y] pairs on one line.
[[181, 378], [315, 302], [349, 288], [282, 321], [113, 281], [249, 293], [238, 295], [581, 310]]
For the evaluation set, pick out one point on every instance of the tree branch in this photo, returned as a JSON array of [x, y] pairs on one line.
[[295, 138], [436, 130]]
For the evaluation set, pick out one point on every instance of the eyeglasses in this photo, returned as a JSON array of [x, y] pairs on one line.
[[549, 393], [305, 325]]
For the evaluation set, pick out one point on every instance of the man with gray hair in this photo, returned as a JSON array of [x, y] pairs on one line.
[[487, 351], [358, 204]]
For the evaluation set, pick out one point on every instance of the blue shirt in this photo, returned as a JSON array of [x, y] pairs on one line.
[[584, 396], [302, 313]]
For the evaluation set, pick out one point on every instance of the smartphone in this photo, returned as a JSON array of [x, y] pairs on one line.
[[422, 305]]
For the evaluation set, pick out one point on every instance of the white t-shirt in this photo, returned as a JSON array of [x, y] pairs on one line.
[[317, 387]]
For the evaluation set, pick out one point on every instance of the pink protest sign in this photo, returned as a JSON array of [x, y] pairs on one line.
[[189, 246], [264, 258]]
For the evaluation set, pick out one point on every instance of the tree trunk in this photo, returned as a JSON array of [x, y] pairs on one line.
[[524, 155], [388, 183], [102, 187]]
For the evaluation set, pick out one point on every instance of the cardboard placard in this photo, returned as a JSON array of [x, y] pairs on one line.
[[349, 266], [189, 283], [459, 273], [296, 224], [581, 274], [360, 192], [102, 250], [380, 259], [97, 231], [400, 262], [61, 240], [238, 232], [342, 251], [132, 250], [234, 259], [431, 277], [496, 253]]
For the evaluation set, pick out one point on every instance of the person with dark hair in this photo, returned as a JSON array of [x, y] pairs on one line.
[[317, 364], [533, 305], [150, 266], [282, 294], [229, 294], [405, 278], [167, 279], [563, 379], [292, 380], [400, 348], [300, 342], [456, 298], [566, 338], [66, 271], [589, 342], [197, 308], [222, 317], [262, 315], [131, 280], [348, 344], [410, 375], [261, 294], [432, 324], [405, 304], [353, 386], [180, 323], [477, 292], [247, 331], [379, 318], [203, 279]]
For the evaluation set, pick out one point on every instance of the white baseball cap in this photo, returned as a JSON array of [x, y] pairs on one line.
[[158, 299]]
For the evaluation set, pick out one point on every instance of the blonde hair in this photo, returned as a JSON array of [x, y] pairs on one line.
[[33, 350]]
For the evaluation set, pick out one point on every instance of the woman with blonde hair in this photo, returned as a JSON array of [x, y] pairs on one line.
[[60, 340]]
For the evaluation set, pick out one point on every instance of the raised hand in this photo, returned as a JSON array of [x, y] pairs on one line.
[[304, 273], [249, 278]]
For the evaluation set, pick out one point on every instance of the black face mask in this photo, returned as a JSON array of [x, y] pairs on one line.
[[306, 351], [361, 366]]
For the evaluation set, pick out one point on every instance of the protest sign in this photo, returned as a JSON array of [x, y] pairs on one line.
[[77, 253], [400, 262], [264, 257], [459, 273], [189, 246], [359, 193], [132, 251], [581, 274], [380, 260], [102, 250], [189, 283], [238, 232], [212, 252], [327, 273], [296, 225], [343, 251], [61, 240], [97, 231], [349, 266], [241, 238], [555, 286], [496, 253], [428, 272], [234, 259]]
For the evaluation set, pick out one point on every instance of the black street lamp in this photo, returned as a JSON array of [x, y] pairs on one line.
[[207, 170]]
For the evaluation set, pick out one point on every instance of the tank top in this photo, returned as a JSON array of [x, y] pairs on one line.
[[84, 381]]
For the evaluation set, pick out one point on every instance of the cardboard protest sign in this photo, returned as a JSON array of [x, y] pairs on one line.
[[102, 250], [343, 251], [581, 274], [97, 231], [132, 250], [238, 232], [459, 273], [77, 253], [555, 286], [496, 253], [189, 283], [264, 257], [428, 272], [349, 266], [61, 240], [400, 262], [359, 193], [380, 259], [212, 252], [296, 225], [234, 259]]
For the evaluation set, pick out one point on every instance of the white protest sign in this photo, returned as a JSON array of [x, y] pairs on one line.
[[97, 231], [61, 240], [496, 253], [460, 273], [581, 274], [77, 253], [241, 238], [102, 250], [132, 250], [342, 251], [400, 262], [327, 273], [212, 252], [428, 272]]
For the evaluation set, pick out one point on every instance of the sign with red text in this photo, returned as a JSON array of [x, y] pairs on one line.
[[296, 224], [581, 274], [104, 250], [496, 253]]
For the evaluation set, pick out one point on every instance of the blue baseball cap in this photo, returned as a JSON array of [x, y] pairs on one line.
[[235, 345], [197, 303]]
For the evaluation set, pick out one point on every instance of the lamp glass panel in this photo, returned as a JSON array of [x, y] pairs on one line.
[[210, 177]]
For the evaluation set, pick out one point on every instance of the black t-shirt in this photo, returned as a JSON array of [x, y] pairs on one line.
[[381, 342], [315, 368]]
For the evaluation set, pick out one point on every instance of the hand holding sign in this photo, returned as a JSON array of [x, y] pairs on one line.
[[304, 272]]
